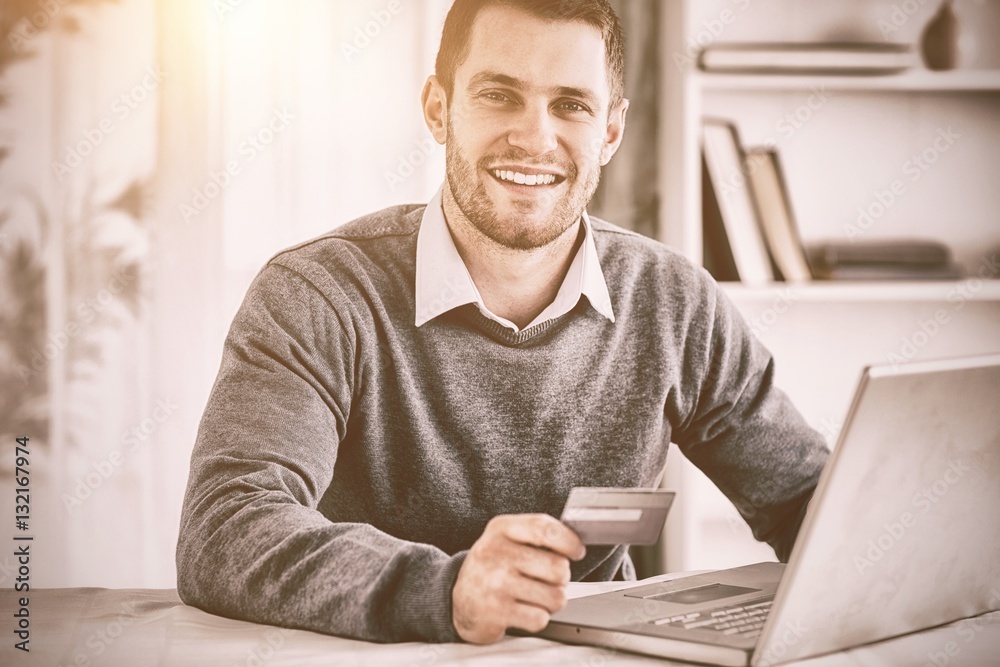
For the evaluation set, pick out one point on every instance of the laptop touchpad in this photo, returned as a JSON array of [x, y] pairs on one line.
[[699, 594]]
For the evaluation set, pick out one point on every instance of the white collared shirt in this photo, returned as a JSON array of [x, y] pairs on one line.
[[443, 281]]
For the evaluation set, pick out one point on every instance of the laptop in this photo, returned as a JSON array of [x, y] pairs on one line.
[[901, 535]]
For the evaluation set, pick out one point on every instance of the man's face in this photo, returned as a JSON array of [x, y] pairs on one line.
[[528, 126]]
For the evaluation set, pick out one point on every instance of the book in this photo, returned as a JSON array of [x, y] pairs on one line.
[[726, 165], [905, 259], [776, 218], [888, 272], [907, 252], [717, 255], [808, 57]]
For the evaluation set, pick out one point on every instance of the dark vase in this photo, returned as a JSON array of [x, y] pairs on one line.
[[939, 43]]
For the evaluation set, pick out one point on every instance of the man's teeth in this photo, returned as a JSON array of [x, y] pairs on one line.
[[525, 179]]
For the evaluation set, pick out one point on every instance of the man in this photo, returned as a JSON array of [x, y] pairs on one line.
[[405, 403]]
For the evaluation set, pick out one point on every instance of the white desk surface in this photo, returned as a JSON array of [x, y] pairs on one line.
[[98, 627]]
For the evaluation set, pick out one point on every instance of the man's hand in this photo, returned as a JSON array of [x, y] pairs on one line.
[[514, 576]]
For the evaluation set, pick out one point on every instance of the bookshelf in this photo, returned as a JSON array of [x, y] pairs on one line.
[[843, 141], [917, 81], [870, 292]]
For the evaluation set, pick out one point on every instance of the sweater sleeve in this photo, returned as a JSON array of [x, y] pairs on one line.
[[742, 431], [252, 543]]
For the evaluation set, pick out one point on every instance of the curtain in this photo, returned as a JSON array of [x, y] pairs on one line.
[[627, 195], [158, 152], [79, 128]]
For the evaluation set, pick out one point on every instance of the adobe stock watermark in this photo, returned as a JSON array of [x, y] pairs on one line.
[[249, 149], [794, 120], [988, 269], [7, 571], [791, 634], [446, 299], [738, 526], [76, 154], [830, 430], [224, 7], [411, 162], [648, 611], [923, 501], [272, 642], [86, 313], [899, 15], [738, 178], [429, 655], [787, 125], [781, 304], [365, 34], [914, 169], [929, 328], [131, 440], [619, 642], [711, 30], [101, 640], [32, 25], [968, 631]]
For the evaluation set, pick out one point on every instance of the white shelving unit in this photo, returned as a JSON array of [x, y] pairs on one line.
[[916, 81], [970, 289], [844, 141]]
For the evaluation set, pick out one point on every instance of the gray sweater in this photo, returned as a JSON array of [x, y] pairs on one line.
[[347, 460]]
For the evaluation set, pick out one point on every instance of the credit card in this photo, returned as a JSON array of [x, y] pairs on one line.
[[617, 516]]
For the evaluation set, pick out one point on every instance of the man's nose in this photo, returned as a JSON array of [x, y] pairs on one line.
[[533, 131]]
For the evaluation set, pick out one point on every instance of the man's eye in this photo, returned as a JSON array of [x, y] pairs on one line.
[[494, 96], [574, 107]]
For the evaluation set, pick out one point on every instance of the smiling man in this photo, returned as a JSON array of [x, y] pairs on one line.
[[405, 403]]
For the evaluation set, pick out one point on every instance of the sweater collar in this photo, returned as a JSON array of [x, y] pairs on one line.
[[443, 281]]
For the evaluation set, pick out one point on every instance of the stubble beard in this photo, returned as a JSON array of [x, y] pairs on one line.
[[519, 230]]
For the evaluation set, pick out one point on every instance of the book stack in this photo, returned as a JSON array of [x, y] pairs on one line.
[[851, 58], [913, 259], [750, 233]]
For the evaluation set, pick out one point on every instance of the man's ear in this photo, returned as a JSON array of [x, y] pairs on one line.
[[434, 101], [614, 132]]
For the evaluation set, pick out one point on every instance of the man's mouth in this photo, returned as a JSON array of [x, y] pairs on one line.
[[521, 178]]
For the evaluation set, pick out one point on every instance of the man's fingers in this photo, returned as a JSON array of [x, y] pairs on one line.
[[542, 530], [537, 593], [543, 565], [514, 576], [528, 618], [508, 601]]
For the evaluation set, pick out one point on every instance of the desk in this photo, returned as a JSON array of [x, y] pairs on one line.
[[98, 627]]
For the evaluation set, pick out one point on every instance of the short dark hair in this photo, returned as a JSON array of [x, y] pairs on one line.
[[458, 31]]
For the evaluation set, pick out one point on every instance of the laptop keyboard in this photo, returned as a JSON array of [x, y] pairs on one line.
[[744, 620]]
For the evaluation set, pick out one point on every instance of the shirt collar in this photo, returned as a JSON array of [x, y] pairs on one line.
[[443, 281]]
